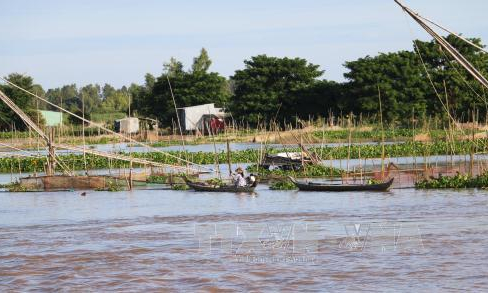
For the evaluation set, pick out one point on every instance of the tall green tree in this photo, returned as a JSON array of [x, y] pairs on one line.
[[405, 84], [451, 80], [91, 96], [202, 62], [65, 96], [270, 87], [193, 87], [24, 101], [397, 77]]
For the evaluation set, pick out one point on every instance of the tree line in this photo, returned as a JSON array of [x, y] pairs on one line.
[[410, 84]]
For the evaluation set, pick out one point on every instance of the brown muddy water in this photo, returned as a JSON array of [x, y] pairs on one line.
[[153, 240]]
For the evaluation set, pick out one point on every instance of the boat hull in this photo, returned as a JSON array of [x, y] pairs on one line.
[[342, 188]]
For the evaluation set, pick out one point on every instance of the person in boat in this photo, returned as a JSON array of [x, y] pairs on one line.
[[251, 180], [238, 176]]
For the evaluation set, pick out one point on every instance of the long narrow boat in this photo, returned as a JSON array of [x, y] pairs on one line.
[[201, 186], [310, 186]]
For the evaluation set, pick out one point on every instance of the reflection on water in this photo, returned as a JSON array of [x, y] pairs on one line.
[[276, 240]]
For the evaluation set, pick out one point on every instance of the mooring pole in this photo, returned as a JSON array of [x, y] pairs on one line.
[[50, 157]]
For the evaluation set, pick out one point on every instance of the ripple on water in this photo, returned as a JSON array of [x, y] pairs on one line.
[[408, 240]]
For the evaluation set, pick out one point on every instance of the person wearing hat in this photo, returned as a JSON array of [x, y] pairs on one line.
[[238, 177]]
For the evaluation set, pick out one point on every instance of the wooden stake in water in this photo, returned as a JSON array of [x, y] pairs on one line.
[[471, 155], [83, 130], [130, 150], [228, 158], [382, 136]]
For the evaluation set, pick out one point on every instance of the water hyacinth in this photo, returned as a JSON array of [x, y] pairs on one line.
[[283, 185], [456, 181], [75, 161], [308, 171]]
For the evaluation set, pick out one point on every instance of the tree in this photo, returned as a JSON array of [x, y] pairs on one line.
[[202, 62], [321, 98], [142, 95], [65, 97], [405, 84], [91, 97], [463, 92], [118, 101], [24, 101], [270, 83], [398, 77], [107, 91], [190, 88]]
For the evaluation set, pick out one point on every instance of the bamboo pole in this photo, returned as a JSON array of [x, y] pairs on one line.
[[228, 158], [471, 155], [179, 123], [83, 130], [382, 136]]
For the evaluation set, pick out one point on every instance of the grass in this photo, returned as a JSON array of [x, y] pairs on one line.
[[107, 117]]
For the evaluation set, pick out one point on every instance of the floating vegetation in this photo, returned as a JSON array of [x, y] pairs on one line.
[[111, 186], [179, 187], [456, 181], [75, 161], [283, 185], [308, 171], [372, 181], [15, 187], [167, 178], [157, 179], [377, 134], [215, 182]]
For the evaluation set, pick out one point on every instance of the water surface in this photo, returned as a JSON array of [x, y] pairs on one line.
[[273, 240]]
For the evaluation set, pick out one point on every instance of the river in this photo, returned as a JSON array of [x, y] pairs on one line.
[[151, 240]]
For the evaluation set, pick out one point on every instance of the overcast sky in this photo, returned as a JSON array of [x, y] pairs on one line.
[[118, 41]]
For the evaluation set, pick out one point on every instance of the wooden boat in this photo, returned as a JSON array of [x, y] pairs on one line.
[[201, 186], [310, 186]]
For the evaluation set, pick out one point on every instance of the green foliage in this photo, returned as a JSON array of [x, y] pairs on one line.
[[15, 187], [158, 179], [190, 88], [112, 186], [215, 182], [117, 101], [439, 147], [456, 181], [8, 118], [372, 181], [202, 62], [179, 187], [103, 104], [270, 83], [399, 77], [285, 88], [376, 134], [283, 185], [308, 171], [405, 87], [65, 96], [108, 117], [75, 120]]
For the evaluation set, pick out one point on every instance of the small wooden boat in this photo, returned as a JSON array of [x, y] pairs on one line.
[[202, 186], [310, 186]]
